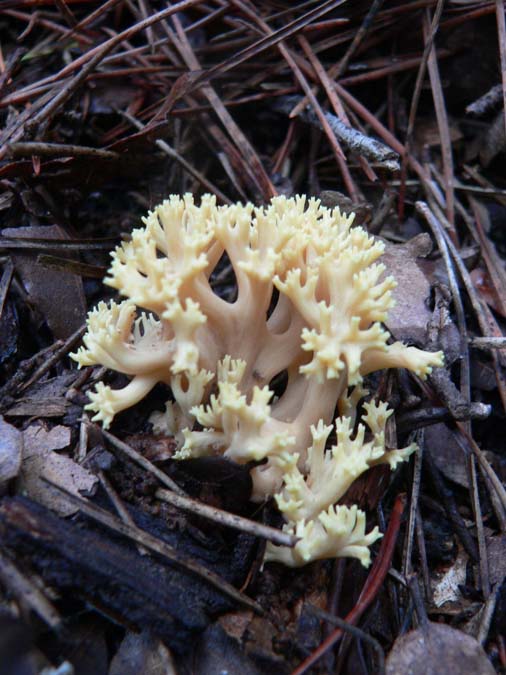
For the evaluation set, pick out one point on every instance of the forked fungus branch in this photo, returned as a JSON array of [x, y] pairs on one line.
[[310, 303]]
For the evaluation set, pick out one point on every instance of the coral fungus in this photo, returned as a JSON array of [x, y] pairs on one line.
[[310, 301]]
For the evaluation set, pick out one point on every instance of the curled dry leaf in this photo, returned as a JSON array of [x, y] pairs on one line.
[[11, 450], [40, 461], [437, 649]]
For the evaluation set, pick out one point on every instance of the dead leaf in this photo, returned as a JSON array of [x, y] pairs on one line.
[[58, 296], [154, 448], [493, 140], [445, 585], [30, 407], [40, 461], [447, 453], [11, 451], [218, 653], [362, 210], [437, 649], [483, 285], [408, 320], [142, 653], [37, 439], [427, 133], [107, 98], [235, 624], [493, 261], [45, 399]]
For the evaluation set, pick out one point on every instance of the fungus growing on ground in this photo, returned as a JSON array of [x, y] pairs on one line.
[[310, 302]]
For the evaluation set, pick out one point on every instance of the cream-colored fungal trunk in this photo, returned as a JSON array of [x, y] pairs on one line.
[[309, 305]]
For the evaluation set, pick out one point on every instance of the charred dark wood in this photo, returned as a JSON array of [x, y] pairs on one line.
[[88, 563]]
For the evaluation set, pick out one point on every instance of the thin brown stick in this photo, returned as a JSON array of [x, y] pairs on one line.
[[104, 7], [252, 163], [72, 266], [444, 129], [351, 138], [416, 99], [41, 244], [321, 73], [62, 349], [357, 633], [9, 67], [66, 12], [157, 545], [413, 507], [480, 530], [28, 149], [228, 519], [26, 592], [420, 540], [342, 65], [252, 50], [52, 101], [5, 283], [484, 463], [141, 461], [168, 150], [118, 505], [437, 230], [488, 342], [34, 19]]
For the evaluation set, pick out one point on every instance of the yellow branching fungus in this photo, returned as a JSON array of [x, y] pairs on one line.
[[310, 303]]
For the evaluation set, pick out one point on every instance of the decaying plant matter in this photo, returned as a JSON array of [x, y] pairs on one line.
[[311, 297]]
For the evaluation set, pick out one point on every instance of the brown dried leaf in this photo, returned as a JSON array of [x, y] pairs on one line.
[[437, 649], [235, 624], [35, 407], [58, 296], [40, 461], [46, 398], [217, 653], [142, 653], [493, 261], [427, 133], [493, 141], [447, 453], [484, 287], [408, 320], [362, 209], [11, 451], [446, 584]]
